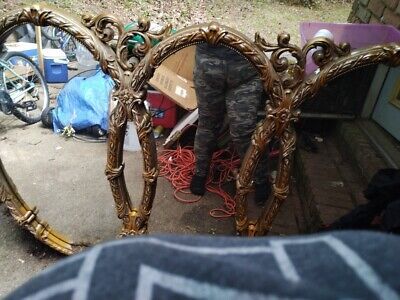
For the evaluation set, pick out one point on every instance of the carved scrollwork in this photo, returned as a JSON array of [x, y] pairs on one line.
[[28, 217], [277, 50], [214, 33], [110, 29], [103, 26], [287, 59], [114, 173], [138, 223], [149, 37], [283, 115], [151, 175], [325, 50]]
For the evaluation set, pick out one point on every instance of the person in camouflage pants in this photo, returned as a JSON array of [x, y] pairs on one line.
[[226, 82]]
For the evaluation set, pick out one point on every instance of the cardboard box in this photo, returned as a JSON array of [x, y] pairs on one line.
[[174, 78]]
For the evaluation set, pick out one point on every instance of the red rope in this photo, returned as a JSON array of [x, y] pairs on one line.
[[178, 167]]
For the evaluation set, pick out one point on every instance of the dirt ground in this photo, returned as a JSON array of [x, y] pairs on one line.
[[269, 17]]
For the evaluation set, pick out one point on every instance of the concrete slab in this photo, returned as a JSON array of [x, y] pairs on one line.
[[21, 255], [65, 179]]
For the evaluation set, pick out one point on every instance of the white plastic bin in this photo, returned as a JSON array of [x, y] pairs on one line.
[[29, 49]]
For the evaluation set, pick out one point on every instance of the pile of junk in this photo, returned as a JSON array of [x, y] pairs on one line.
[[79, 91]]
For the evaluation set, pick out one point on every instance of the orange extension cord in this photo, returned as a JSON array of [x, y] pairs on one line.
[[178, 167]]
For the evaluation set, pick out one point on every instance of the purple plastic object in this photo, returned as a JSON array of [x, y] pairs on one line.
[[357, 35]]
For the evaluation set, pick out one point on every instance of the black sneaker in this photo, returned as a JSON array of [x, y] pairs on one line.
[[198, 185], [261, 193]]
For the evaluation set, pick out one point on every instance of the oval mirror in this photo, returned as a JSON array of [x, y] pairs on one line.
[[55, 104], [216, 95], [58, 164], [282, 79], [219, 71]]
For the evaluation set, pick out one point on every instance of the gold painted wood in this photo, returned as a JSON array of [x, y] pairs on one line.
[[286, 86], [26, 216], [283, 79], [105, 39]]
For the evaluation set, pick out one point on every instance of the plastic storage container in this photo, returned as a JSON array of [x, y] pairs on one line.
[[162, 109], [357, 35], [55, 65], [29, 49]]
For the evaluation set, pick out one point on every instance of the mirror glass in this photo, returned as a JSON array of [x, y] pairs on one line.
[[215, 91], [335, 149], [57, 163]]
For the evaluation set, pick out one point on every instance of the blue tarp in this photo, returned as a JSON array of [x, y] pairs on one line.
[[83, 102]]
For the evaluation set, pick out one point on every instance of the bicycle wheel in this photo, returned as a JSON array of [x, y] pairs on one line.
[[48, 33], [25, 83], [64, 41]]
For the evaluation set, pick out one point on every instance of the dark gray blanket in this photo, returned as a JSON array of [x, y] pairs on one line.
[[362, 265]]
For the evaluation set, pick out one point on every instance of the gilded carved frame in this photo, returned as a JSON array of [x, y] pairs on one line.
[[108, 46], [284, 81]]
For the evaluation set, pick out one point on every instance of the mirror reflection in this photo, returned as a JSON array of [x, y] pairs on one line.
[[217, 98], [347, 140], [55, 103]]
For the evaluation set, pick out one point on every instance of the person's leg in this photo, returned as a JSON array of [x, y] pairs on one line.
[[243, 101], [209, 81]]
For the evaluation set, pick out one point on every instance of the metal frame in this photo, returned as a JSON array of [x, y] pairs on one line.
[[283, 79]]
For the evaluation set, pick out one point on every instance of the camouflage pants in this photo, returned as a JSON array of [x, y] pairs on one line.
[[225, 83]]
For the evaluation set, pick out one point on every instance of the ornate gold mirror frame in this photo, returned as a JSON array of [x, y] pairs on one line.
[[283, 79], [286, 86], [105, 38]]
